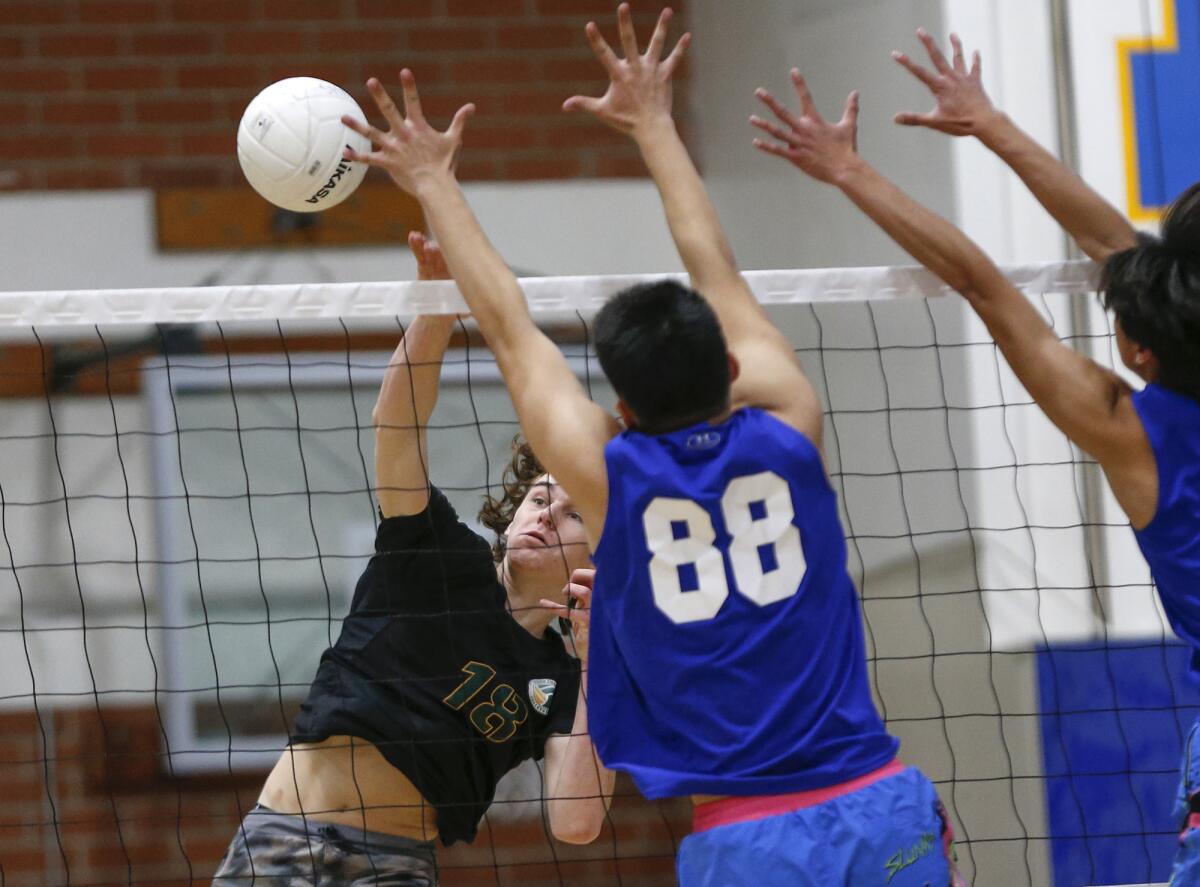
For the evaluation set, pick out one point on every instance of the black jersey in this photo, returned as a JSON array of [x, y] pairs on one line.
[[432, 669]]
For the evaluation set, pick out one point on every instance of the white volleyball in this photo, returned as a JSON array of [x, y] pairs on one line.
[[290, 144]]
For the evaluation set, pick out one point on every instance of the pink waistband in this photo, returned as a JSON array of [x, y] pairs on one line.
[[730, 810]]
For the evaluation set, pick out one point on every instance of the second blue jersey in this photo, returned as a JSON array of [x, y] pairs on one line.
[[726, 652], [1171, 541]]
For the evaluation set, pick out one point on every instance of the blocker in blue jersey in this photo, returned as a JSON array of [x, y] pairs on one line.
[[726, 642], [727, 660], [1148, 441]]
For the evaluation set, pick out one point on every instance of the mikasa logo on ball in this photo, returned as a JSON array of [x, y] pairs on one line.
[[342, 169]]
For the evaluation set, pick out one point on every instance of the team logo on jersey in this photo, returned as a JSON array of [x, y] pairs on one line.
[[541, 691], [704, 440]]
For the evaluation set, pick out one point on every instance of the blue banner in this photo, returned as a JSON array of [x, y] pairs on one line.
[[1113, 720], [1160, 80]]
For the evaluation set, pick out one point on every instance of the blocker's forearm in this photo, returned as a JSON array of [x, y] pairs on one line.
[[484, 279], [691, 216], [923, 234], [1096, 225]]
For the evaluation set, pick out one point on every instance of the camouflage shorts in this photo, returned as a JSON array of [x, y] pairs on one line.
[[282, 850]]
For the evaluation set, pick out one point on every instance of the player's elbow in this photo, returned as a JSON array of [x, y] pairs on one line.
[[380, 412], [577, 826], [576, 835], [390, 410], [383, 420]]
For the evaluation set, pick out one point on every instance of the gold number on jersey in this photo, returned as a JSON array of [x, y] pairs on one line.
[[499, 717]]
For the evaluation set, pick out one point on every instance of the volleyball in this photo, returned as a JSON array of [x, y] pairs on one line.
[[290, 143]]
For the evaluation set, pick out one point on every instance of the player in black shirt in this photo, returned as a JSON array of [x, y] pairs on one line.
[[446, 674]]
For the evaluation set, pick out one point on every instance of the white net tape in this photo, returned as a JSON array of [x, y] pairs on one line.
[[546, 295]]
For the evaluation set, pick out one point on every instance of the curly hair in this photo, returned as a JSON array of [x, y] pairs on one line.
[[516, 482]]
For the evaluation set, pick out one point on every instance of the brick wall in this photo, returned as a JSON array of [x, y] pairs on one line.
[[84, 801], [131, 93]]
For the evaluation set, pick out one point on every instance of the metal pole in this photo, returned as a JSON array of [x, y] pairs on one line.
[[1088, 476], [1064, 93]]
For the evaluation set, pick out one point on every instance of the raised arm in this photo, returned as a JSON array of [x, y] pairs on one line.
[[963, 109], [1088, 402], [638, 103], [565, 428], [407, 398], [578, 786]]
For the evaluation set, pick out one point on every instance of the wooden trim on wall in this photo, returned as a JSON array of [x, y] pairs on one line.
[[376, 214], [83, 369]]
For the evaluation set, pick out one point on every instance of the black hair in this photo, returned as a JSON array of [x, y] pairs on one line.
[[1153, 290], [661, 346]]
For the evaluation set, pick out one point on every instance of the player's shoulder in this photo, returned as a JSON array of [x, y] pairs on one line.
[[785, 427], [1167, 405], [1164, 425], [1139, 445], [749, 428], [437, 513], [436, 528], [799, 412], [1142, 420]]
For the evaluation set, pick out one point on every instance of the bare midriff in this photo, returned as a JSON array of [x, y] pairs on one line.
[[697, 800], [347, 781]]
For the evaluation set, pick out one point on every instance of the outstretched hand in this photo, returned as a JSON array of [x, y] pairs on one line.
[[822, 149], [411, 149], [577, 609], [962, 105], [431, 264], [639, 90]]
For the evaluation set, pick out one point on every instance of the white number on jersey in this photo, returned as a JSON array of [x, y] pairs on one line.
[[694, 546]]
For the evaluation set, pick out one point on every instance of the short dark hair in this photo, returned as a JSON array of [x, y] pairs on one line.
[[661, 346], [1153, 290], [519, 478]]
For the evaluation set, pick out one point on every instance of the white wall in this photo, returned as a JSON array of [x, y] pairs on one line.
[[70, 240], [1094, 29], [776, 218]]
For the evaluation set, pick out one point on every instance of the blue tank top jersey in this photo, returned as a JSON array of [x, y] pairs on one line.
[[726, 650], [1171, 541]]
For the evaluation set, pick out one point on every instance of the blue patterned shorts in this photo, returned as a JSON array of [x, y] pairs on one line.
[[891, 833], [1186, 872]]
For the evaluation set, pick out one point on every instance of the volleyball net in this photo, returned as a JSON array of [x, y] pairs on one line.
[[186, 502]]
